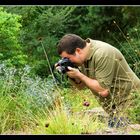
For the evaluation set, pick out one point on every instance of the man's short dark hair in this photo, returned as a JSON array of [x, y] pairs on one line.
[[70, 42]]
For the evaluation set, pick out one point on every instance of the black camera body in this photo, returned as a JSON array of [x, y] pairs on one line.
[[63, 65]]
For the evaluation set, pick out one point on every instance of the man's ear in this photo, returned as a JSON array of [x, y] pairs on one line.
[[78, 50]]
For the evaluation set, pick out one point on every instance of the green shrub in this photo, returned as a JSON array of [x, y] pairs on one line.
[[10, 49]]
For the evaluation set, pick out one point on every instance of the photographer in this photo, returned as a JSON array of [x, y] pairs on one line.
[[103, 69]]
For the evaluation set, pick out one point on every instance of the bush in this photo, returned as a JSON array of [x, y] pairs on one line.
[[10, 49]]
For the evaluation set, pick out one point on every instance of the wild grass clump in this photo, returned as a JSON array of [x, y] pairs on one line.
[[21, 98], [61, 121]]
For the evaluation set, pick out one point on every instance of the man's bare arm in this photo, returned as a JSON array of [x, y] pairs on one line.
[[92, 84]]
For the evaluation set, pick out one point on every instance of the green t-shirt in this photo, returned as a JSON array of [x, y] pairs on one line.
[[108, 66]]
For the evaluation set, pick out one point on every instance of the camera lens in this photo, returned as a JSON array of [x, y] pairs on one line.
[[63, 70]]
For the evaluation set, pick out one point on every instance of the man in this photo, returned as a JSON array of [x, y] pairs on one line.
[[103, 69]]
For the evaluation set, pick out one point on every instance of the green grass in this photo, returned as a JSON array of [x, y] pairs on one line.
[[75, 98], [21, 98], [27, 104], [135, 132], [35, 106], [61, 121]]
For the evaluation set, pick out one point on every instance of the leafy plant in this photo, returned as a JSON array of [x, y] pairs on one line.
[[11, 51]]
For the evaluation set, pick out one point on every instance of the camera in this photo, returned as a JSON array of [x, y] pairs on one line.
[[63, 65]]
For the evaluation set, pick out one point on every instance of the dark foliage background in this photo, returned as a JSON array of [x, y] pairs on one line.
[[23, 28]]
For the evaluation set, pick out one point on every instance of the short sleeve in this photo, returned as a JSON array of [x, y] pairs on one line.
[[104, 70]]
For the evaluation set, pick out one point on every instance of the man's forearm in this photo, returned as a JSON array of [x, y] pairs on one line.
[[93, 85]]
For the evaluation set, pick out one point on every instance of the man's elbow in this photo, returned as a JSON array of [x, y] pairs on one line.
[[104, 93]]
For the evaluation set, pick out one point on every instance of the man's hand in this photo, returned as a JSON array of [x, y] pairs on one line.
[[73, 72], [57, 67]]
